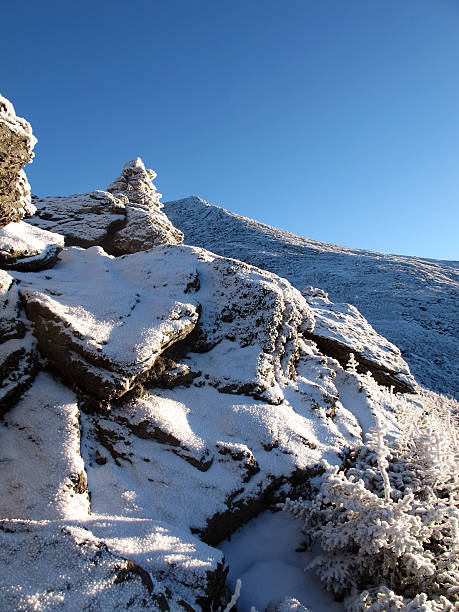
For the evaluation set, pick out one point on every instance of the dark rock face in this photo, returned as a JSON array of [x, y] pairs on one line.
[[18, 347], [16, 145]]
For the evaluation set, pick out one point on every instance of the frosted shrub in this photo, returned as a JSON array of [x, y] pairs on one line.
[[388, 522]]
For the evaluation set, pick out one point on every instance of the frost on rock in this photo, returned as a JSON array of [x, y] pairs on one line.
[[18, 350], [16, 145], [85, 219], [409, 300], [27, 248], [103, 322], [43, 474], [55, 566], [340, 330], [146, 225]]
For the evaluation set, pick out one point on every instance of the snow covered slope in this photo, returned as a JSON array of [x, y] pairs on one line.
[[411, 301]]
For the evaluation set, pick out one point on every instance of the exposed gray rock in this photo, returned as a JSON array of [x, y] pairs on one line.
[[27, 248], [85, 219], [340, 330], [16, 145], [18, 350], [146, 225]]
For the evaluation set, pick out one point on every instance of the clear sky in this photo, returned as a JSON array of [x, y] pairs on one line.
[[335, 119]]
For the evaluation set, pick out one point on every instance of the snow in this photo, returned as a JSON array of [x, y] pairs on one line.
[[263, 555], [344, 323], [40, 455], [412, 302], [20, 239], [85, 219]]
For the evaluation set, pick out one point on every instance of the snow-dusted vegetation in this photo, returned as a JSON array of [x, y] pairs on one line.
[[386, 520], [156, 397]]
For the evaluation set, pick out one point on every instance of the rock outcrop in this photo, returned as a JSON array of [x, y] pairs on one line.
[[126, 218], [184, 393], [27, 248], [146, 225], [16, 145], [18, 347], [108, 326], [85, 219], [340, 329]]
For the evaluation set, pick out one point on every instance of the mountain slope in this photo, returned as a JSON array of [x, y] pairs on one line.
[[411, 301]]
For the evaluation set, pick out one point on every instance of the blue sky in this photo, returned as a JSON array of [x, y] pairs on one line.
[[334, 119]]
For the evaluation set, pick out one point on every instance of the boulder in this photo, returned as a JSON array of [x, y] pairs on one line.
[[27, 248], [104, 321], [85, 219], [16, 145], [340, 329], [18, 347], [146, 225]]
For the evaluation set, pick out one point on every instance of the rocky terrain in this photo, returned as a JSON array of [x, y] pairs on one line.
[[409, 300], [156, 396]]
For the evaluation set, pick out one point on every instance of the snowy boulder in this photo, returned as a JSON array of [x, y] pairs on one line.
[[340, 329], [146, 225], [18, 350], [85, 219], [27, 248], [250, 327], [16, 145], [104, 321]]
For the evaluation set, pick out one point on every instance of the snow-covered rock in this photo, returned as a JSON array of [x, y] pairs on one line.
[[18, 347], [27, 248], [136, 184], [85, 219], [104, 321], [43, 473], [340, 330], [56, 566], [146, 225], [409, 300], [16, 145]]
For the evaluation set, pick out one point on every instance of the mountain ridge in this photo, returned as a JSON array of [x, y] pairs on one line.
[[410, 300]]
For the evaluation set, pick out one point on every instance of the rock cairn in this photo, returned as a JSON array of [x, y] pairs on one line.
[[146, 225]]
